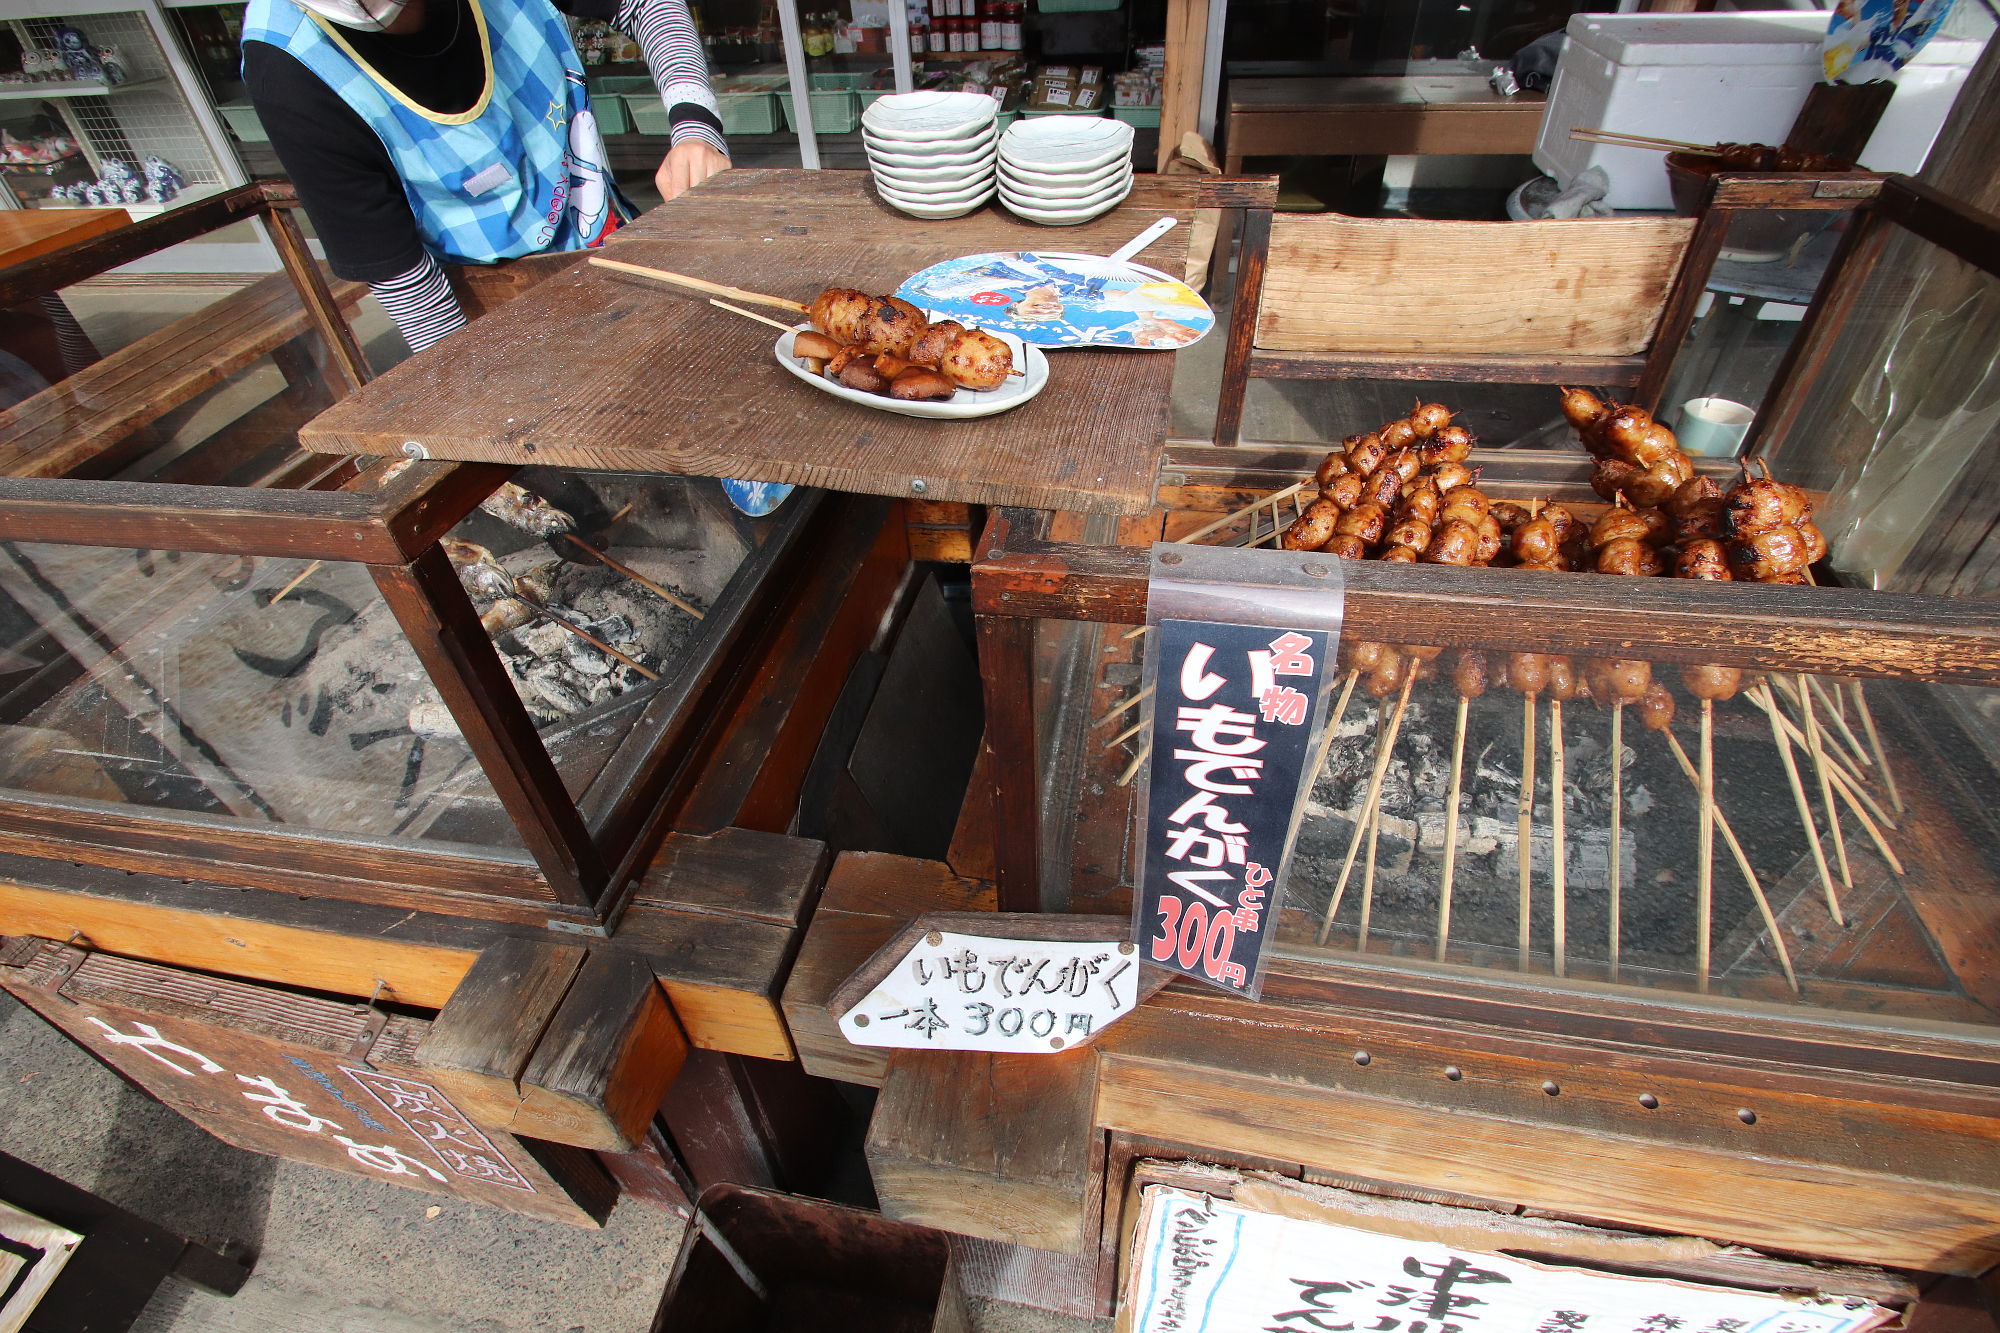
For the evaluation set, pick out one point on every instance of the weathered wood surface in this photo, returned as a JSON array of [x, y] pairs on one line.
[[996, 1146], [33, 232], [307, 1079], [675, 385], [482, 1040], [1548, 288], [722, 971], [1376, 116], [1833, 631], [869, 896], [605, 1061]]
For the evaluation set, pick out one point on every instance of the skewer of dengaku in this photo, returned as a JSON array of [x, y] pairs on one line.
[[882, 344], [1468, 677]]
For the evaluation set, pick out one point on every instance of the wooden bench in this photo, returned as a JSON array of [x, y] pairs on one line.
[[81, 422], [93, 422]]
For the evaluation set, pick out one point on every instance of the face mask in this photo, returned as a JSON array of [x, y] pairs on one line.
[[366, 15]]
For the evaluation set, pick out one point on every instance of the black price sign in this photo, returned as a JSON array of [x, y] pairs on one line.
[[1233, 714]]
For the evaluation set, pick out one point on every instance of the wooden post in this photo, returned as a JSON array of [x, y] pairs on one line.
[[1251, 261], [1007, 670], [443, 628], [1187, 58], [349, 363]]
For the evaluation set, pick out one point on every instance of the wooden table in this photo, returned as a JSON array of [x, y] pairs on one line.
[[1376, 117], [595, 369], [29, 233]]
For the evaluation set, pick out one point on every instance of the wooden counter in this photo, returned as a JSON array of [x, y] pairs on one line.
[[595, 369], [1375, 117]]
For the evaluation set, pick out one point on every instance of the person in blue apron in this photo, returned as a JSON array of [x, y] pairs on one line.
[[459, 131]]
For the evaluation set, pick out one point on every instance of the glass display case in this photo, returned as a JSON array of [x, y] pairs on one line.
[[1803, 835], [390, 680]]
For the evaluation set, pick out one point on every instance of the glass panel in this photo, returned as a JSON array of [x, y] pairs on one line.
[[528, 559], [163, 681], [1900, 425]]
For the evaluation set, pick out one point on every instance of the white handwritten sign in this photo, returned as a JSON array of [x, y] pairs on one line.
[[953, 991], [1206, 1265]]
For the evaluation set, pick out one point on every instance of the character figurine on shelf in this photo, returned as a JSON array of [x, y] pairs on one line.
[[62, 194], [33, 70], [163, 180], [113, 62], [134, 193], [78, 56]]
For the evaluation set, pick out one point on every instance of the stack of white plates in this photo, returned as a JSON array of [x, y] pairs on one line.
[[932, 153], [1062, 170]]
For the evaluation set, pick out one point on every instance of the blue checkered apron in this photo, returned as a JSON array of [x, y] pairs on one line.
[[521, 172]]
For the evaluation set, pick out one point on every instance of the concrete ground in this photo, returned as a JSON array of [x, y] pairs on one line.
[[341, 1254]]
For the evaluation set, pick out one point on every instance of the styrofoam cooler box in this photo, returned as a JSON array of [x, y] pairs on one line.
[[1714, 78]]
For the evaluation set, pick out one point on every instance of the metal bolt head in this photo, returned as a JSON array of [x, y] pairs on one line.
[[1170, 557], [1649, 1101], [1055, 1043], [1127, 947], [1316, 569], [918, 486], [861, 1020], [934, 939], [1747, 1116]]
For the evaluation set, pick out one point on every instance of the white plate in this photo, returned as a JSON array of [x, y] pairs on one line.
[[1064, 217], [915, 177], [1065, 180], [935, 212], [1066, 143], [975, 191], [1065, 196], [901, 153], [964, 404], [929, 115]]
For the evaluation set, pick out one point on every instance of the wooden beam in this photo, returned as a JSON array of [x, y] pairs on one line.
[[1835, 631], [1187, 59], [607, 1059], [482, 1040], [996, 1146]]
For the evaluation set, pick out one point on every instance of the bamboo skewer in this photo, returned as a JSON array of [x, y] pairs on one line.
[[1451, 802], [751, 314], [1804, 807], [297, 579], [1831, 701], [1361, 826], [1615, 905], [697, 284], [1815, 746], [1620, 139], [1845, 782], [1250, 508], [1132, 769], [1368, 877], [1524, 824], [1328, 734], [1705, 848], [1128, 733], [1833, 745], [1559, 885], [1742, 864], [589, 638], [618, 567], [1138, 696], [1875, 744]]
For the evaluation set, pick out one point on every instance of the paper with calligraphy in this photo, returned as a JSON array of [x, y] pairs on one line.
[[1235, 707], [960, 992], [1205, 1265]]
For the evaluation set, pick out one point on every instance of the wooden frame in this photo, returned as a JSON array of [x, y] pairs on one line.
[[583, 853], [1724, 198]]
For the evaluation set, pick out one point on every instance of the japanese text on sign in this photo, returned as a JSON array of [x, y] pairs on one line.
[[1208, 1266], [954, 992], [1231, 723]]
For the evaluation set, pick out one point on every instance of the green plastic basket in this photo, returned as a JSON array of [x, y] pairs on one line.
[[742, 113], [610, 109], [834, 112], [839, 82], [242, 119], [1145, 117], [622, 83]]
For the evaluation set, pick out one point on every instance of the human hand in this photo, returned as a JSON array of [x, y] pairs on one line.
[[686, 165]]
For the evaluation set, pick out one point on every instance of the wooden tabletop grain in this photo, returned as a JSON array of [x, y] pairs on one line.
[[595, 369], [29, 232]]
